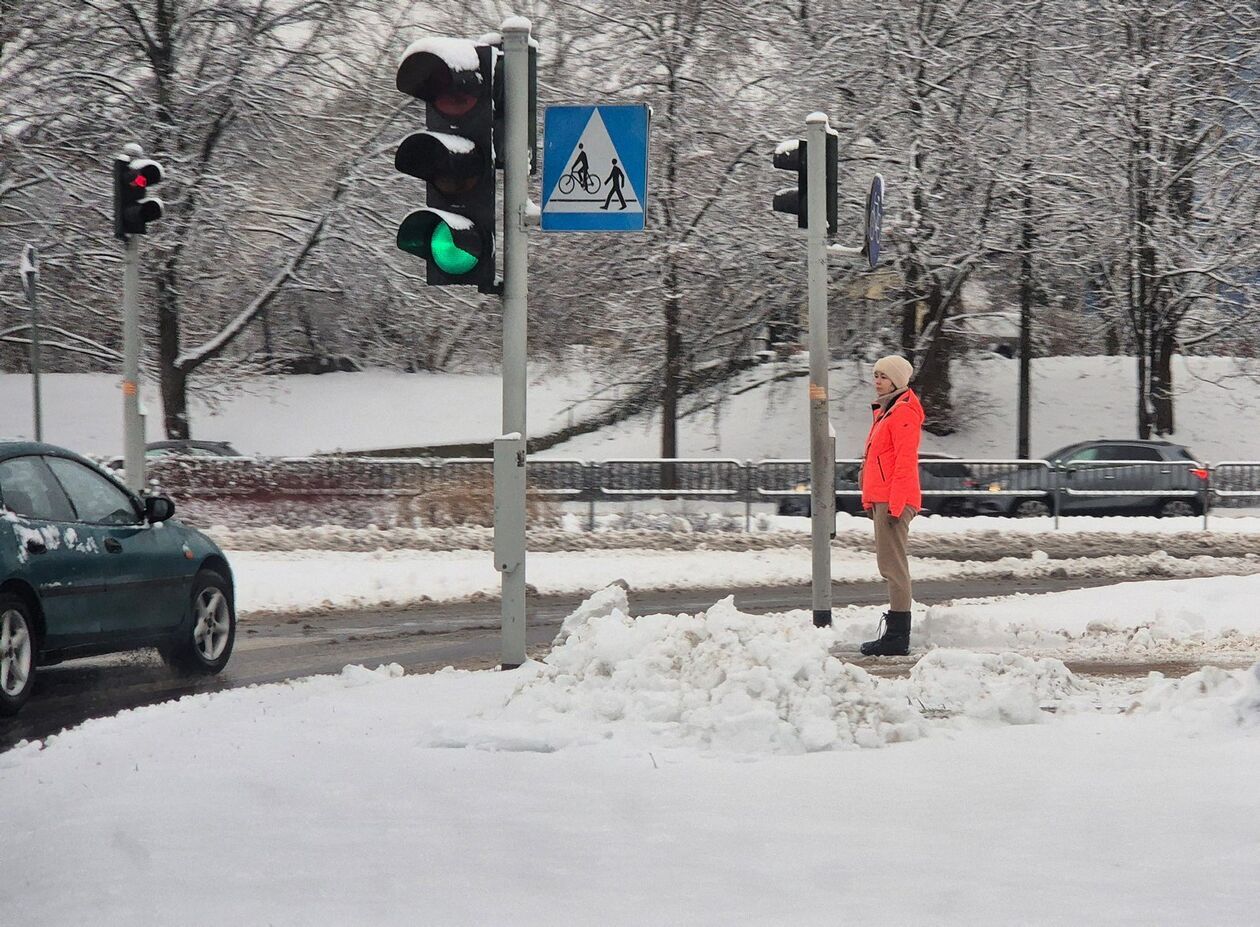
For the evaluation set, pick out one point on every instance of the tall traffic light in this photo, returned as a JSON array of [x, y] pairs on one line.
[[134, 180], [793, 155], [455, 233]]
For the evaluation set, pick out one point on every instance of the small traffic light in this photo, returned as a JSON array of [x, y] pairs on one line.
[[500, 104], [134, 180], [792, 155], [455, 233]]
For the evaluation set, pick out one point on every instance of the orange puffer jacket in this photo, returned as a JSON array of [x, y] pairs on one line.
[[890, 467]]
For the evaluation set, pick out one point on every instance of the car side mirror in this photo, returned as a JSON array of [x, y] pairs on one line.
[[158, 508]]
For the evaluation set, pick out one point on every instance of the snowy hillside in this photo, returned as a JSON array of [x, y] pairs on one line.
[[1074, 398]]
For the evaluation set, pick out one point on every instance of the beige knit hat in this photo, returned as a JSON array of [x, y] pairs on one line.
[[897, 369]]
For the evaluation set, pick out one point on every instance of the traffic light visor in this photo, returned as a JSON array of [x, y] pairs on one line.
[[443, 72], [451, 163], [450, 241]]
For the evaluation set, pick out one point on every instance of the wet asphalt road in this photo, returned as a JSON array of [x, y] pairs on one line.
[[275, 647]]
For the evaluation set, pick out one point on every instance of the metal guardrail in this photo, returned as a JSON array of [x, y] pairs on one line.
[[1236, 479], [989, 486], [685, 477]]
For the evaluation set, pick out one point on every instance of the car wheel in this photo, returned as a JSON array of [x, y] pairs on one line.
[[1031, 508], [1177, 508], [203, 643], [17, 654]]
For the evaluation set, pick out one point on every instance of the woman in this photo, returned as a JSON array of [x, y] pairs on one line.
[[890, 492]]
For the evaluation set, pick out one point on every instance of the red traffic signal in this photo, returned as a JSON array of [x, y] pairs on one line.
[[133, 207]]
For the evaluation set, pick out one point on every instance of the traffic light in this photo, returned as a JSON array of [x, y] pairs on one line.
[[500, 104], [793, 156], [455, 158], [134, 180]]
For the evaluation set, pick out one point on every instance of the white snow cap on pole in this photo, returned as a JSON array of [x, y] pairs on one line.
[[515, 24]]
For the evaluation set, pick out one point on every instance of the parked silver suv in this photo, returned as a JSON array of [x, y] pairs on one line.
[[1104, 477]]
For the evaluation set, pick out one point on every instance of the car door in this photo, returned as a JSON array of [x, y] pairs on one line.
[[1147, 475], [149, 573], [1088, 478], [64, 564]]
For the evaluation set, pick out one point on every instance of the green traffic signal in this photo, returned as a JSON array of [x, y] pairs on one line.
[[453, 244], [447, 255]]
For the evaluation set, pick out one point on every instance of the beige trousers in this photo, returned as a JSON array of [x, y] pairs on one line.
[[890, 554]]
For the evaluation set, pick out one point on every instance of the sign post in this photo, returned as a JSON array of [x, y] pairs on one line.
[[30, 282], [509, 450], [822, 447]]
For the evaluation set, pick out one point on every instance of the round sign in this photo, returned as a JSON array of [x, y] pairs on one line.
[[874, 217]]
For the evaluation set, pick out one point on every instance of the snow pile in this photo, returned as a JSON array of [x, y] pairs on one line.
[[727, 681], [720, 679], [1209, 696], [1003, 687]]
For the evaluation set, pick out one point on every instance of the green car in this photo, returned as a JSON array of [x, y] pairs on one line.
[[88, 568]]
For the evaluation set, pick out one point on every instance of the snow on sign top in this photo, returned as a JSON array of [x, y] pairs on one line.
[[595, 168]]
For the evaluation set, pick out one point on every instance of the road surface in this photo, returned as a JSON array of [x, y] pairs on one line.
[[275, 647]]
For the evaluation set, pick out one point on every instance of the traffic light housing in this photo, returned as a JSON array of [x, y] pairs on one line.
[[793, 155], [455, 233], [500, 104], [134, 208]]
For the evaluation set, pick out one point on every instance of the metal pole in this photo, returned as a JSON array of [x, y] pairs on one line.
[[821, 447], [29, 268], [133, 426], [515, 31], [39, 418]]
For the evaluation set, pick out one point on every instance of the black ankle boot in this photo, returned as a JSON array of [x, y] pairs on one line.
[[895, 641]]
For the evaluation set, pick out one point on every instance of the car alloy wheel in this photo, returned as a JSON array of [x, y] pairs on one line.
[[1177, 508], [213, 623], [17, 655], [1031, 508], [203, 641]]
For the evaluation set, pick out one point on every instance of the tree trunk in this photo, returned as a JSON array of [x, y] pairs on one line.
[[1162, 383], [933, 381], [173, 380]]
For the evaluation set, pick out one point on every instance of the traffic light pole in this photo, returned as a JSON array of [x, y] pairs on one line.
[[133, 423], [29, 269], [822, 445], [510, 453]]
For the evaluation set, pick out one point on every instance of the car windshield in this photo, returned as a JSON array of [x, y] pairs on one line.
[[1061, 453]]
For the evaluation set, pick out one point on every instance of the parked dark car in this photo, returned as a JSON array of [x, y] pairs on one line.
[[87, 568], [937, 473], [182, 447], [1146, 477]]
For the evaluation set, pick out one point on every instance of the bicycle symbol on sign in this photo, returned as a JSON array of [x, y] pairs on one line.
[[579, 176]]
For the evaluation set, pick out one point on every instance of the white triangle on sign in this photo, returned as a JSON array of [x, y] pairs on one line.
[[595, 188]]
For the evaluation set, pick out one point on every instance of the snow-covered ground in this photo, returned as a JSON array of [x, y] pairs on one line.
[[717, 768], [1073, 399]]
